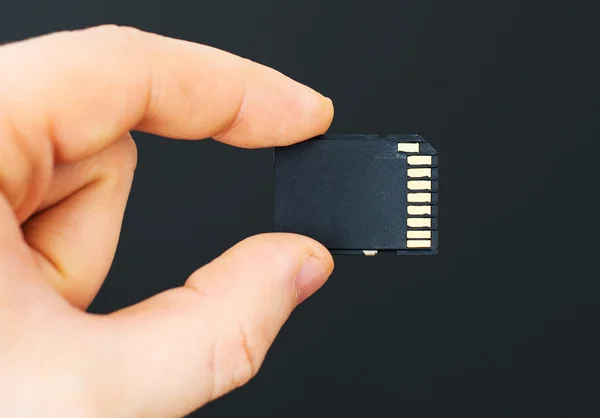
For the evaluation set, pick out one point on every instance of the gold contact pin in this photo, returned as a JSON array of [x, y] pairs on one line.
[[419, 185], [419, 172], [418, 234], [419, 210], [419, 198], [418, 222], [419, 160], [408, 147], [418, 244]]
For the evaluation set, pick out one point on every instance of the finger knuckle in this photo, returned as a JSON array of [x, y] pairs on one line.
[[25, 167], [129, 154], [115, 33], [246, 361], [119, 161], [234, 362]]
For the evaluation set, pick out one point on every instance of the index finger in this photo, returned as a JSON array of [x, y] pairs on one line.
[[83, 90]]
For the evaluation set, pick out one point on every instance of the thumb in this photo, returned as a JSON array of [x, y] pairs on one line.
[[182, 348]]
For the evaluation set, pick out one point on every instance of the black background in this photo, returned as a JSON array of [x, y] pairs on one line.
[[504, 321]]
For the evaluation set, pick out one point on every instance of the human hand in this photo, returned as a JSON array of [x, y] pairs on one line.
[[67, 104]]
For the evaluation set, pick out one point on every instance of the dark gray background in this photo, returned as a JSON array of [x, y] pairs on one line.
[[504, 321]]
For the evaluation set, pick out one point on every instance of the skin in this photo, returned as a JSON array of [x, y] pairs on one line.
[[67, 104]]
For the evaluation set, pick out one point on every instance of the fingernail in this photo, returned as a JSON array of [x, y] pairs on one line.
[[310, 278]]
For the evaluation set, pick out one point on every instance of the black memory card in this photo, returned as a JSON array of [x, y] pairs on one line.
[[359, 194]]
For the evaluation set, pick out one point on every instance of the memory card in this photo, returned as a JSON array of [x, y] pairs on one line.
[[359, 194]]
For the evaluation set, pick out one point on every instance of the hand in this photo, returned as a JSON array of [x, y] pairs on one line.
[[67, 104]]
